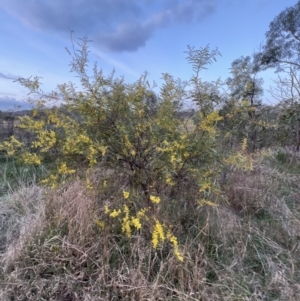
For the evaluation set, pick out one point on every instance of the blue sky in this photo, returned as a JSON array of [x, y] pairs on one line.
[[131, 36]]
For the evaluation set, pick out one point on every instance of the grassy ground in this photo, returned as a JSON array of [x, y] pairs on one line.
[[13, 176], [246, 248]]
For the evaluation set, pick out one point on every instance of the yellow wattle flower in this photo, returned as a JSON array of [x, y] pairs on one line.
[[126, 194], [154, 199]]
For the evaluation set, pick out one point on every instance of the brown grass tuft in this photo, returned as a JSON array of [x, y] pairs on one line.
[[245, 249]]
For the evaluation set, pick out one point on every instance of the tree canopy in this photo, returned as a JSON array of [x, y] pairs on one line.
[[282, 40], [243, 83]]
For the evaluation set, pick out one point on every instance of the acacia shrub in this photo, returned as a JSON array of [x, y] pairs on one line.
[[131, 130]]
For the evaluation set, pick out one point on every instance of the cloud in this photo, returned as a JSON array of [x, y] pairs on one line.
[[127, 37], [119, 25], [10, 103], [8, 76]]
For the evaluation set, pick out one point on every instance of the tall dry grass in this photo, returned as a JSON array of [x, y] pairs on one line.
[[247, 248]]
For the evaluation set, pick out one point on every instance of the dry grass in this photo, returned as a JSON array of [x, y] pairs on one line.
[[21, 212], [245, 249]]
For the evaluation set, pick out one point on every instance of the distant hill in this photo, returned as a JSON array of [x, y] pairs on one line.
[[11, 104]]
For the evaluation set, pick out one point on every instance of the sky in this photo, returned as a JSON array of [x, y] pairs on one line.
[[130, 36]]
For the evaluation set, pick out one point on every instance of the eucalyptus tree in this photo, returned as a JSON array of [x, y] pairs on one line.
[[286, 91], [282, 46], [282, 51], [245, 91]]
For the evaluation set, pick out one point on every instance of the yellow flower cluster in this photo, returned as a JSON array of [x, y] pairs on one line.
[[102, 149], [31, 159], [135, 221], [76, 145], [173, 158], [89, 184], [63, 170], [27, 123], [11, 146], [83, 145], [208, 124], [205, 187], [168, 180], [115, 213], [52, 181], [59, 122], [142, 213], [100, 224], [93, 151], [126, 224], [126, 194], [160, 234], [154, 199], [175, 150], [83, 139], [45, 140], [127, 221], [174, 242]]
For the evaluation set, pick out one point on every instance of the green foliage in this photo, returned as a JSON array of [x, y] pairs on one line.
[[205, 94], [281, 157], [240, 111], [243, 83], [13, 175], [129, 129], [287, 91], [282, 40]]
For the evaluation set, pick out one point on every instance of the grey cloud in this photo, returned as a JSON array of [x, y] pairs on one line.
[[79, 15], [119, 25], [8, 76], [10, 103], [128, 37]]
